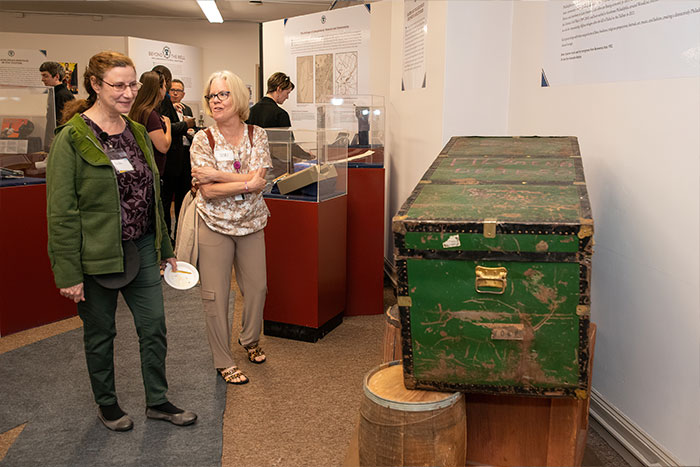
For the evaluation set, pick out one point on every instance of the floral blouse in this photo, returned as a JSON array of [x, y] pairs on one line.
[[228, 215]]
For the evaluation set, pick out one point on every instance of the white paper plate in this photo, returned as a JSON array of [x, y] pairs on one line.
[[184, 278]]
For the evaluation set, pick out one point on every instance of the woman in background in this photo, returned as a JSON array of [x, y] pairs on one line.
[[267, 113], [148, 99], [229, 161], [107, 234]]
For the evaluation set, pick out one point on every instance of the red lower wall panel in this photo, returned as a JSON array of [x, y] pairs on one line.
[[29, 296]]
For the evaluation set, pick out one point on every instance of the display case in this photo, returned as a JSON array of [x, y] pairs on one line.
[[308, 165], [30, 297], [362, 118], [305, 237], [27, 123]]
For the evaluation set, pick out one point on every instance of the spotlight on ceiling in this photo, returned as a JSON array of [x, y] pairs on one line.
[[210, 10]]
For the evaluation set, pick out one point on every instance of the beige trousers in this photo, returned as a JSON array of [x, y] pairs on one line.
[[217, 252]]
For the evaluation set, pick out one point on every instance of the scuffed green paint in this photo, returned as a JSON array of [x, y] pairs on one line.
[[519, 243], [511, 203], [450, 324], [459, 169], [501, 146]]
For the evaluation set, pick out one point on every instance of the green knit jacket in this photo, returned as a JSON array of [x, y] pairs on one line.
[[83, 205]]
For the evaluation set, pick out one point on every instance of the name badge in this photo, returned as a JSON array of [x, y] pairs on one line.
[[122, 165], [223, 155], [239, 197]]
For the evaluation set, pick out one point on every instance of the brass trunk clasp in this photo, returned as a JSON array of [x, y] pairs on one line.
[[491, 280]]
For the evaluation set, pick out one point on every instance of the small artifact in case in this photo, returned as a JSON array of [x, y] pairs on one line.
[[312, 174]]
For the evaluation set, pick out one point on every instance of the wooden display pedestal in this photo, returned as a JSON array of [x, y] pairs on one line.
[[306, 267], [29, 295], [365, 241], [512, 430]]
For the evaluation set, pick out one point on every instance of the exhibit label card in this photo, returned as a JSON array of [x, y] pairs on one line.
[[591, 41]]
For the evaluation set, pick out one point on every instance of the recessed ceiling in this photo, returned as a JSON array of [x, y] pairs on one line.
[[231, 10]]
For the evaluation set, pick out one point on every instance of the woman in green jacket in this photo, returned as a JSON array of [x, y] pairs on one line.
[[107, 233]]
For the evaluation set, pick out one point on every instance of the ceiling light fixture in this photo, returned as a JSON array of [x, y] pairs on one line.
[[210, 10]]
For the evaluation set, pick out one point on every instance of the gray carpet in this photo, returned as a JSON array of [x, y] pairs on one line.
[[46, 385]]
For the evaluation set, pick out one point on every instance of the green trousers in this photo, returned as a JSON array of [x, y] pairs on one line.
[[144, 296]]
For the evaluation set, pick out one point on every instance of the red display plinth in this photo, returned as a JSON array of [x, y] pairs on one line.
[[306, 267], [29, 295], [365, 288]]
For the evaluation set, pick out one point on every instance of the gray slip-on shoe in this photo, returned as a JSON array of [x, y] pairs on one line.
[[124, 423], [181, 419]]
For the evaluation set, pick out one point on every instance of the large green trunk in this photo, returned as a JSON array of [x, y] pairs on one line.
[[493, 251]]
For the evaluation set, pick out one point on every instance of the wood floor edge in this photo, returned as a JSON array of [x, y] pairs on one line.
[[8, 438], [22, 338]]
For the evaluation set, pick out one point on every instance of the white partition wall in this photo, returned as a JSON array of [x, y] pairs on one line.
[[640, 142]]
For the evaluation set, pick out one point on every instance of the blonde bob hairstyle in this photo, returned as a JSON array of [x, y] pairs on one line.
[[239, 93]]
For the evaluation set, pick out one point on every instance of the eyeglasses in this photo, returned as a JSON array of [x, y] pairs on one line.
[[121, 87], [177, 90], [221, 95]]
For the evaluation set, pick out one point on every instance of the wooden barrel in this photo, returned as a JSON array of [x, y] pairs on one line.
[[399, 426], [392, 335]]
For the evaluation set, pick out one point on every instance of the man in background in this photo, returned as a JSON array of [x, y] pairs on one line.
[[177, 176], [177, 93], [52, 74]]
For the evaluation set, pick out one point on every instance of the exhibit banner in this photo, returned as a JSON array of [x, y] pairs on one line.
[[415, 31], [328, 55], [591, 41], [183, 61], [20, 67]]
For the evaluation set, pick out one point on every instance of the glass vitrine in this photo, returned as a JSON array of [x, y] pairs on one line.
[[27, 123], [308, 165], [362, 117]]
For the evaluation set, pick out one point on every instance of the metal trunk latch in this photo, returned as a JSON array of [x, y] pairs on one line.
[[491, 280], [490, 228]]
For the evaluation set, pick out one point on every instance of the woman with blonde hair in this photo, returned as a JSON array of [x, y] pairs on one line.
[[229, 161], [107, 234], [148, 99]]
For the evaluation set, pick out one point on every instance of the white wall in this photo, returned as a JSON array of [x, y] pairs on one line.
[[414, 117], [640, 143], [232, 46], [477, 68]]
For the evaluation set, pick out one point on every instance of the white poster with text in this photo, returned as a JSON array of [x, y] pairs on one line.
[[590, 41], [415, 31], [183, 61], [20, 67], [328, 55]]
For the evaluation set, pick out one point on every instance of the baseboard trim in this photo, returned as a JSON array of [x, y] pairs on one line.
[[631, 438]]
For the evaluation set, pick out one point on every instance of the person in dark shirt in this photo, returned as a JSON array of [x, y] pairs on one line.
[[267, 113], [52, 74], [177, 175], [145, 111]]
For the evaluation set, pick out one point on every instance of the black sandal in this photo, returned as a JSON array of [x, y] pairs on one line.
[[254, 353], [232, 375]]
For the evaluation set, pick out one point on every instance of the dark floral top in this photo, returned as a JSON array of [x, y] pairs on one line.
[[135, 186]]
